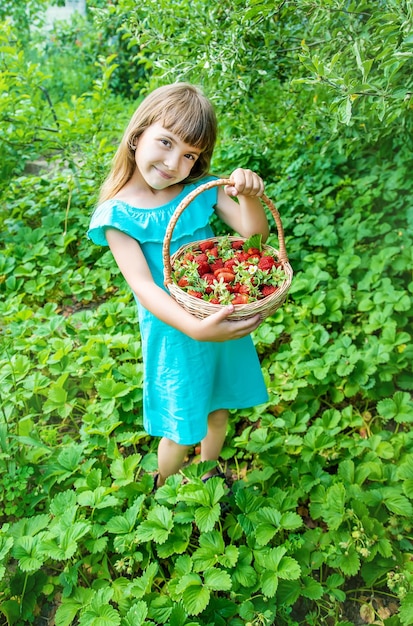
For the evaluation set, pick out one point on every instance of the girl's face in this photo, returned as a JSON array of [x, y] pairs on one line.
[[162, 158]]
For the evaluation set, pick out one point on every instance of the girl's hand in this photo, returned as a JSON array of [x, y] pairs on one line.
[[218, 328], [244, 183]]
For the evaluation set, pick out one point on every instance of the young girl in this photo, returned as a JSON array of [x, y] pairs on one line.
[[194, 370]]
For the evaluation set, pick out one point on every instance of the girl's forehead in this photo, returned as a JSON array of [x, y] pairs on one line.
[[158, 128]]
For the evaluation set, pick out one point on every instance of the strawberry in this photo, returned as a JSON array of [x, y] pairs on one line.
[[237, 244], [244, 289], [213, 252], [230, 263], [214, 301], [267, 290], [242, 256], [240, 298], [189, 256], [254, 251], [183, 282], [196, 294], [203, 268], [209, 277], [225, 274], [201, 258], [206, 245], [216, 265], [266, 262], [254, 258]]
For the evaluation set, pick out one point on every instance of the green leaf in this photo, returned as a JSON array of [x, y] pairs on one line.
[[396, 502], [123, 470], [27, 552], [217, 580], [136, 615], [399, 408], [255, 241], [349, 563], [207, 517], [143, 585], [288, 568], [109, 389], [195, 599], [269, 584], [157, 527], [102, 615], [268, 526], [245, 575], [334, 509], [177, 541], [311, 588], [406, 609], [62, 503], [70, 607]]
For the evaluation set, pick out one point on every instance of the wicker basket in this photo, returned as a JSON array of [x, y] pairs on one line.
[[201, 308]]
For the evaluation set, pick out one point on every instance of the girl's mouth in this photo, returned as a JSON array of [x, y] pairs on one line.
[[163, 174]]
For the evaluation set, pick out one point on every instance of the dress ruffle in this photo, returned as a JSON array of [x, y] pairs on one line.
[[149, 225]]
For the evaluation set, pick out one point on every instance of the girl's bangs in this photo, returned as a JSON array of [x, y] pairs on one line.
[[197, 129]]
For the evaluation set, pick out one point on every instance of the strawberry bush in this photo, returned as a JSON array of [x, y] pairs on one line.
[[316, 525]]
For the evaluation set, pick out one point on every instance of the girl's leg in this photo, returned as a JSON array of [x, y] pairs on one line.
[[212, 443], [171, 456]]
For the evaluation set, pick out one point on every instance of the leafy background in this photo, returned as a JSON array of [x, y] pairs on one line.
[[317, 529]]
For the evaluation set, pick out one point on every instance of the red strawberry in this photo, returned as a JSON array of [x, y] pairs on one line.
[[242, 256], [254, 257], [266, 262], [254, 251], [216, 265], [237, 244], [267, 290], [225, 274], [201, 258], [203, 268], [183, 282], [188, 256], [206, 245], [240, 298], [230, 263], [214, 301], [196, 294], [209, 277], [244, 289], [213, 252]]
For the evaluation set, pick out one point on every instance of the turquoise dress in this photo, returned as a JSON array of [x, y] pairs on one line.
[[184, 379]]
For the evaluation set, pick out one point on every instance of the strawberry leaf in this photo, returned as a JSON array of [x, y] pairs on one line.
[[255, 241]]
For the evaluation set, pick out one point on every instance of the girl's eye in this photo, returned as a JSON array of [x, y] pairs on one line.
[[191, 157], [166, 142]]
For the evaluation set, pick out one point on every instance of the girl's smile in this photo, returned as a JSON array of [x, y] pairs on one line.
[[162, 158]]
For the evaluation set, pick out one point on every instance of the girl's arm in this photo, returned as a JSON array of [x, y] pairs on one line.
[[248, 216], [132, 263]]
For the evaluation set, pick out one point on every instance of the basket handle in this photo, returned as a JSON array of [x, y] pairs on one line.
[[184, 204]]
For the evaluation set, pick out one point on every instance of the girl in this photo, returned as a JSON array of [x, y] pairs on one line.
[[194, 370]]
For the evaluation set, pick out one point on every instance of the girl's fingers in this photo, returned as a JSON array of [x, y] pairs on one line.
[[245, 182]]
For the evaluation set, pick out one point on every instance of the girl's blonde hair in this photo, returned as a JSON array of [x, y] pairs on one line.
[[182, 109]]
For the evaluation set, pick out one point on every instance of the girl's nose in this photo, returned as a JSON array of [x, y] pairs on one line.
[[172, 160]]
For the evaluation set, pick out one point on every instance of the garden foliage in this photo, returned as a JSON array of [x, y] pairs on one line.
[[317, 97]]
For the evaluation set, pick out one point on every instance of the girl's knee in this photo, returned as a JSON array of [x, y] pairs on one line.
[[218, 418]]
